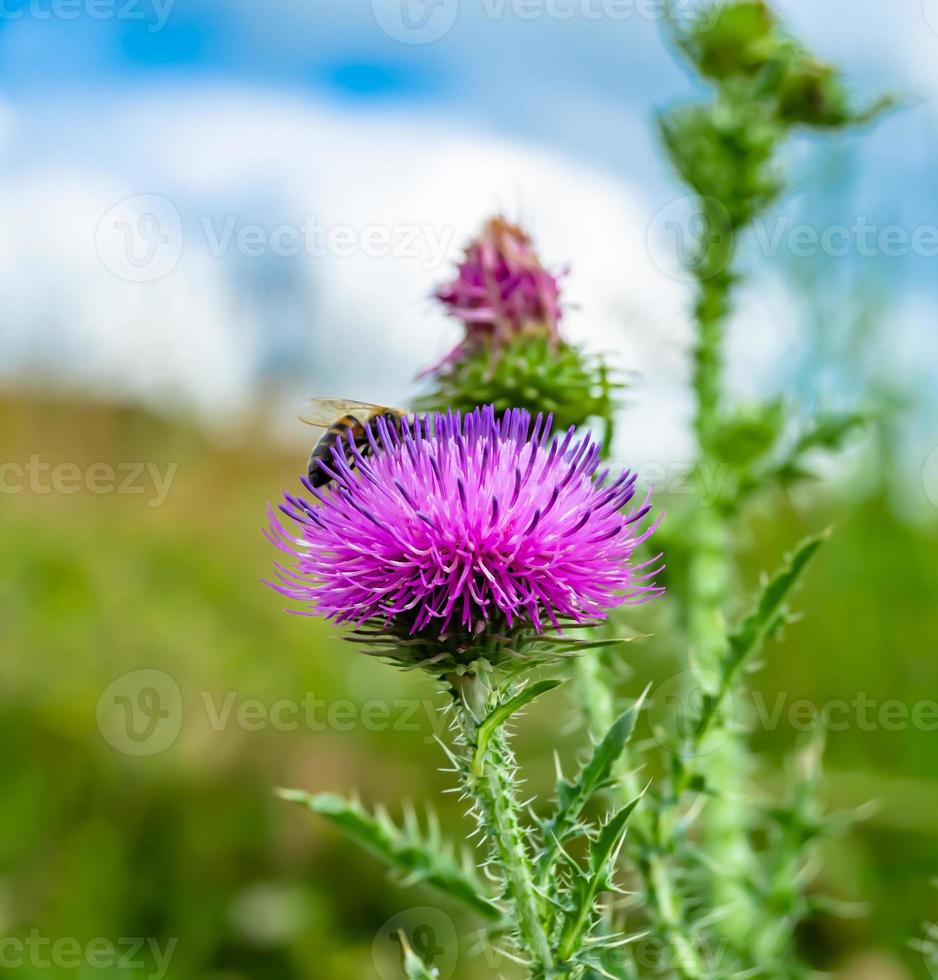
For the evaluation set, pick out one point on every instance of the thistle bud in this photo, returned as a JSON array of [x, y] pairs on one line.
[[512, 354]]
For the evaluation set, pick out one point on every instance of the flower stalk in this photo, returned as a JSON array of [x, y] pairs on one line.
[[489, 781], [474, 547]]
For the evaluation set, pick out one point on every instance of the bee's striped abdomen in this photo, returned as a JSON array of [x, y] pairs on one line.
[[341, 430], [323, 449]]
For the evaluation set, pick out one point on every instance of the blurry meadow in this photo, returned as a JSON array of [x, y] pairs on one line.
[[189, 842]]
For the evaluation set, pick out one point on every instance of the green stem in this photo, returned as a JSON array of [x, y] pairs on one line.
[[669, 906], [708, 590], [492, 787], [709, 570]]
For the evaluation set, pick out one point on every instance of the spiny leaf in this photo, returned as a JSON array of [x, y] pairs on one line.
[[770, 607], [414, 966], [501, 714], [593, 777], [768, 614], [595, 880], [418, 858]]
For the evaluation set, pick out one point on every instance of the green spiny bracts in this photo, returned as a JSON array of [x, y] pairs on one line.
[[533, 373], [512, 353]]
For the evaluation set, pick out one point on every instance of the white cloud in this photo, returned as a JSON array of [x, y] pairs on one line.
[[227, 158]]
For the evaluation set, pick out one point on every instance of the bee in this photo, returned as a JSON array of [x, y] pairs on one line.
[[340, 419]]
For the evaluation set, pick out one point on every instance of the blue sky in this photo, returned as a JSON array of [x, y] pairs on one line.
[[584, 84], [579, 82]]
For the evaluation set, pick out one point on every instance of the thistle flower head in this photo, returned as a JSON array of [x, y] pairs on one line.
[[501, 290], [458, 528]]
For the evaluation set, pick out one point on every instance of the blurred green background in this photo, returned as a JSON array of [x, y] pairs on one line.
[[190, 842]]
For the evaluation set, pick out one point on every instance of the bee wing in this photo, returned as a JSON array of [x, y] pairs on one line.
[[324, 412]]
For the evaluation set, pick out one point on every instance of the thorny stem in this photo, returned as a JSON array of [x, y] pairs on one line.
[[669, 907], [493, 791], [709, 574]]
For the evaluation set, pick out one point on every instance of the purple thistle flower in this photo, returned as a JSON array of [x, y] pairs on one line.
[[465, 522], [501, 290]]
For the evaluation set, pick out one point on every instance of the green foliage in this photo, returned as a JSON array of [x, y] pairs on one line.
[[722, 892], [794, 829], [766, 618], [743, 44], [770, 611], [596, 878], [548, 905], [731, 39], [593, 778], [528, 372], [489, 783], [725, 151], [500, 715], [418, 857]]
